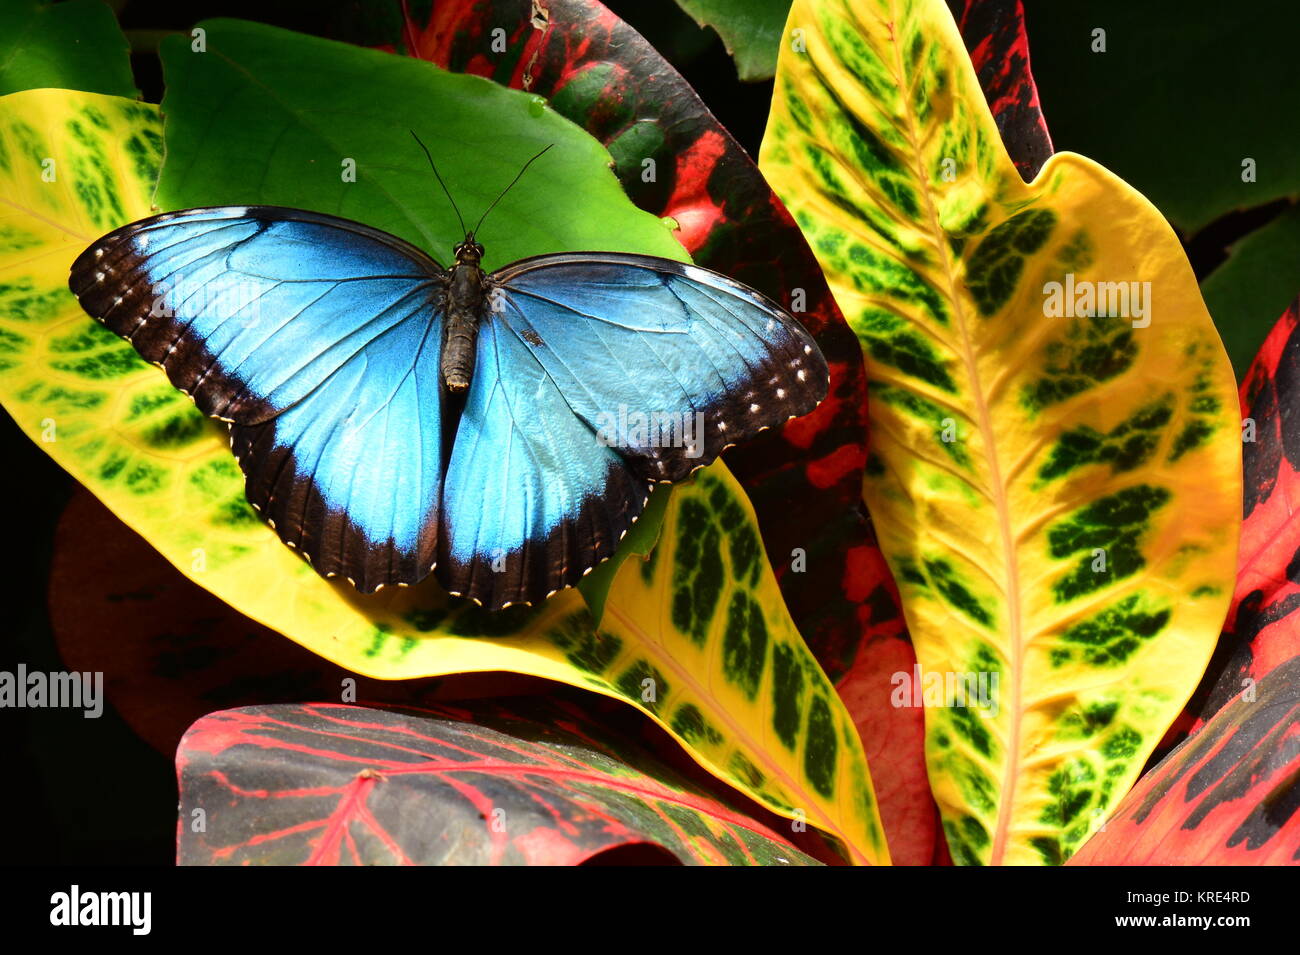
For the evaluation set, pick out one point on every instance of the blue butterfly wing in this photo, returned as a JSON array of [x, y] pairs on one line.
[[531, 500], [546, 472], [627, 335], [317, 339]]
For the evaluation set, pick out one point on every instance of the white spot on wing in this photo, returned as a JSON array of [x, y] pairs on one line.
[[699, 275]]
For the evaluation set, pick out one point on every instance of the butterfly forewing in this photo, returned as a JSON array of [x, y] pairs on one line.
[[668, 362], [317, 338]]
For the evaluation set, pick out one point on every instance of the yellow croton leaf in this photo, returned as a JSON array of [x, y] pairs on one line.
[[1054, 468], [696, 637]]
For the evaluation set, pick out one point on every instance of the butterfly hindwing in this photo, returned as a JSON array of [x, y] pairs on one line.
[[317, 339], [670, 362], [531, 500], [350, 476]]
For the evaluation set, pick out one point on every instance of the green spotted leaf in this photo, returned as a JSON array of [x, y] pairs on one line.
[[699, 626], [75, 45], [1055, 471]]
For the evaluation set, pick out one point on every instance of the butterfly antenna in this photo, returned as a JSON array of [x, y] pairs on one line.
[[509, 187], [440, 182]]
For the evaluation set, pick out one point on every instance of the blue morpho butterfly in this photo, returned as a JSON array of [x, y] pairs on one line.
[[395, 418]]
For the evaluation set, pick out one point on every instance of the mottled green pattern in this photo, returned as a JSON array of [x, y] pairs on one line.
[[730, 632], [1054, 476]]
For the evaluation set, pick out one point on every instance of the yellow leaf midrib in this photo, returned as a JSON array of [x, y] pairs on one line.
[[1000, 499]]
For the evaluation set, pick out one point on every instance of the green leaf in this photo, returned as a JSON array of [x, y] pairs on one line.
[[75, 45], [268, 116], [1259, 279], [1055, 484], [750, 30]]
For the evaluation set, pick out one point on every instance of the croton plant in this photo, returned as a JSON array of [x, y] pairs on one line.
[[992, 602]]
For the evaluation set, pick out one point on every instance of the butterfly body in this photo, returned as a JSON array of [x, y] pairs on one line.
[[466, 299], [394, 418]]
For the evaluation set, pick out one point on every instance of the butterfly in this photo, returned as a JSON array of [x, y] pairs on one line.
[[394, 418]]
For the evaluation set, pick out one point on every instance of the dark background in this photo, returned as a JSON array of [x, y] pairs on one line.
[[91, 792]]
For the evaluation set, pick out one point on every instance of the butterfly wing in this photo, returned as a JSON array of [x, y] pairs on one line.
[[531, 500], [316, 338], [631, 339]]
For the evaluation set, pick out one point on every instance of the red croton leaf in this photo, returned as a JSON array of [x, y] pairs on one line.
[[1231, 792], [1261, 633], [328, 784], [1258, 634], [994, 33]]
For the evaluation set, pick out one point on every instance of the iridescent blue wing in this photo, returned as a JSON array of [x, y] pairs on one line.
[[317, 340], [532, 500], [597, 374], [669, 362]]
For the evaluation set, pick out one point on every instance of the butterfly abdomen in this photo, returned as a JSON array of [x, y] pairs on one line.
[[465, 298]]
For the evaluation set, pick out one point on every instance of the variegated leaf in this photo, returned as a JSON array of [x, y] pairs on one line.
[[1054, 472], [1228, 795], [701, 626], [482, 784]]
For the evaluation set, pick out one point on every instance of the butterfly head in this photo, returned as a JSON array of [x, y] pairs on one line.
[[469, 251]]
